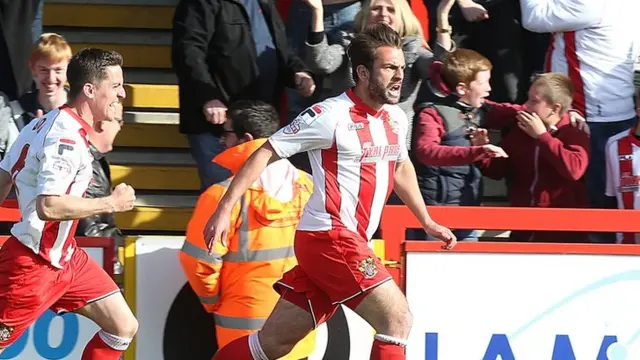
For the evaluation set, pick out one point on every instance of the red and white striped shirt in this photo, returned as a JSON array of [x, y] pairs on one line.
[[353, 151], [623, 175], [50, 157], [595, 43]]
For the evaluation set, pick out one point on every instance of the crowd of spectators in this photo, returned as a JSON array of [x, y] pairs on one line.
[[465, 78], [466, 74]]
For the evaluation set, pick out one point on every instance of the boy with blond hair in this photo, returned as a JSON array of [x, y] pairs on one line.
[[548, 157], [452, 115], [50, 56]]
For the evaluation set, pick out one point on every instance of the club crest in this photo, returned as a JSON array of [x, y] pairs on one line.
[[368, 267], [5, 332]]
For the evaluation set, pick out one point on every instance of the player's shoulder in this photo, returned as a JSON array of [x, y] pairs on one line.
[[65, 124], [327, 111], [396, 113], [337, 105]]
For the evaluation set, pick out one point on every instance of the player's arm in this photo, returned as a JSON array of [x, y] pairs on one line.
[[69, 207], [248, 174], [406, 187], [60, 161], [310, 130]]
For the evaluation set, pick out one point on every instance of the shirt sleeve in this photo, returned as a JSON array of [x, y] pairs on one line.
[[556, 16], [313, 129], [60, 160]]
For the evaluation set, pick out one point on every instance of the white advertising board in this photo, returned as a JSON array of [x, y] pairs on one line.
[[56, 337], [523, 306], [158, 279]]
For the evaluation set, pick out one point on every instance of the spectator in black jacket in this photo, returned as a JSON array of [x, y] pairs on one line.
[[16, 18], [223, 52], [103, 225]]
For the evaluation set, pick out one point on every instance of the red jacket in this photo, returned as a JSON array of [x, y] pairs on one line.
[[429, 130], [544, 172]]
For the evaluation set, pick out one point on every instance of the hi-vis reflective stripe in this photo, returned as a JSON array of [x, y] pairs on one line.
[[238, 323], [200, 254], [209, 300], [244, 254]]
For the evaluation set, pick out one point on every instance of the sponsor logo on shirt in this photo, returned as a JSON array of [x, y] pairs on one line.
[[356, 126], [62, 166], [305, 118], [373, 153], [65, 144]]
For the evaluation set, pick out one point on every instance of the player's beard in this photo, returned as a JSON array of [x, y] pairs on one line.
[[380, 93]]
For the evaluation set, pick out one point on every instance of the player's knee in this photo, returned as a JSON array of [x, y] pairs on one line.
[[397, 324], [127, 328], [402, 325], [277, 346]]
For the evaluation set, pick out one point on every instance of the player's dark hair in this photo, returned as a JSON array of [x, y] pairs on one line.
[[362, 50], [259, 119], [89, 66]]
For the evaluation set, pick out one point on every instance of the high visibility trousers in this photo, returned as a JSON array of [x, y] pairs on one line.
[[302, 350]]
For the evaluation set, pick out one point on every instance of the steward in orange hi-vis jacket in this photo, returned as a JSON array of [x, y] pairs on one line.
[[235, 282]]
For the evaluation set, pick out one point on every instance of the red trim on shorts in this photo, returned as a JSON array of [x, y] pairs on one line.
[[367, 186], [361, 292]]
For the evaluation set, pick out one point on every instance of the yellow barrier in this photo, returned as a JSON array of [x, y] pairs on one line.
[[151, 96], [156, 177], [151, 135], [108, 15]]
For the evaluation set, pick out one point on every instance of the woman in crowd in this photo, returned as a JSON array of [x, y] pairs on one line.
[[330, 60]]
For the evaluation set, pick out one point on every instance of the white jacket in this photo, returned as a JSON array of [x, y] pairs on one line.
[[595, 42]]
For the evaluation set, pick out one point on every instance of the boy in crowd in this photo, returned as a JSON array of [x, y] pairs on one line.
[[547, 157], [451, 111], [48, 63]]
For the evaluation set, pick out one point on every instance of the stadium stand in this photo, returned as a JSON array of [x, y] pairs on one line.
[[150, 153]]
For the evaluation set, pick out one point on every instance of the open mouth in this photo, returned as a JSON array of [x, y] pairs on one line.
[[49, 87], [395, 88]]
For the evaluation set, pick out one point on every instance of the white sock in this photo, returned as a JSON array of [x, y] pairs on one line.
[[255, 348], [114, 342], [391, 340]]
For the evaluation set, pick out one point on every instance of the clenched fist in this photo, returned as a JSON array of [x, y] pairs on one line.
[[443, 234], [123, 198]]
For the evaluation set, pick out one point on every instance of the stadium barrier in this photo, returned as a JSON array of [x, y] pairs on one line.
[[519, 301], [396, 220], [533, 301], [61, 337], [173, 324]]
